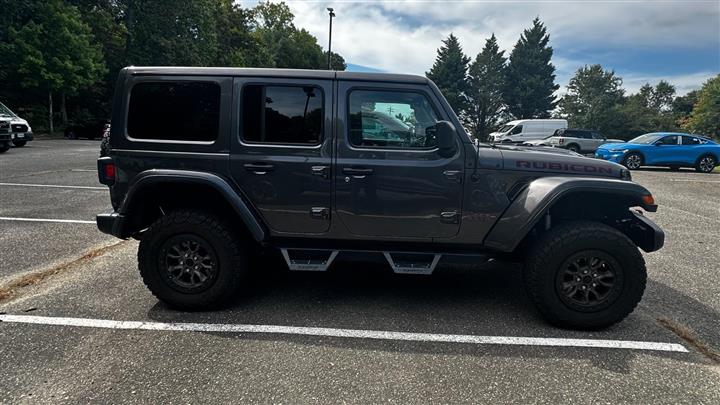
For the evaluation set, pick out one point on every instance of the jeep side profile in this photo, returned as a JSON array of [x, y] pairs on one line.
[[207, 166]]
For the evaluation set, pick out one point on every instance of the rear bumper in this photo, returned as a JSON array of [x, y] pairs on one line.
[[111, 224]]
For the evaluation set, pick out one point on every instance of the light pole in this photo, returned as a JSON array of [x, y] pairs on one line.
[[330, 11]]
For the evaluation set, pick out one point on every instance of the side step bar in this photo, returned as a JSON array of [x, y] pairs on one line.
[[412, 263], [308, 260]]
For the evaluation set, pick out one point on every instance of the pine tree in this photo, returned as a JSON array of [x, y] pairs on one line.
[[486, 81], [531, 76], [449, 73]]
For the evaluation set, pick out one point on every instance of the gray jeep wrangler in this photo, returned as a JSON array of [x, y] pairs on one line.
[[208, 166]]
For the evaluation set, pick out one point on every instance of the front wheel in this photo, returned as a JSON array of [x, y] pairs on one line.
[[585, 275], [633, 161], [192, 260], [4, 147], [706, 164], [19, 144]]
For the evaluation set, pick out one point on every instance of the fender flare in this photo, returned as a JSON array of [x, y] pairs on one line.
[[157, 176], [541, 194]]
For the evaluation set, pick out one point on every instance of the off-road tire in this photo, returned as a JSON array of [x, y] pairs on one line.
[[230, 255], [546, 260], [4, 147], [629, 161], [706, 164], [19, 144], [573, 147]]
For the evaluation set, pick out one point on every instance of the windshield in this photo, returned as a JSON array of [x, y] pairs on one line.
[[506, 128], [646, 139], [6, 111]]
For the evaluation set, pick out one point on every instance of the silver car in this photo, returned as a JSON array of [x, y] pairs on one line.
[[578, 140]]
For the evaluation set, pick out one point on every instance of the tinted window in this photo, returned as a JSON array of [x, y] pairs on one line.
[[668, 140], [690, 140], [516, 130], [390, 119], [596, 135], [282, 114], [180, 111]]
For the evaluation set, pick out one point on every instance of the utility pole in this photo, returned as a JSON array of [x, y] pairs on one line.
[[330, 11]]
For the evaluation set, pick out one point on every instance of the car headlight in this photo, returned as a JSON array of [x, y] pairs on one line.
[[617, 150]]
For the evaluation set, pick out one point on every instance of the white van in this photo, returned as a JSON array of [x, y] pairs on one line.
[[527, 130]]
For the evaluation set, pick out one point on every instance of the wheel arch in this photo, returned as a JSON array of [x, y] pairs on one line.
[[551, 200], [155, 191]]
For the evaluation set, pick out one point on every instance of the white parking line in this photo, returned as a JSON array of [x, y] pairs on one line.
[[68, 221], [345, 333], [696, 181], [52, 186]]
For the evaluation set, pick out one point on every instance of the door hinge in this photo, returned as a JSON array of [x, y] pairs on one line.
[[450, 217], [320, 212]]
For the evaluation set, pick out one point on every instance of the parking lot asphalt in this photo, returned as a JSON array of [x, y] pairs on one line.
[[102, 362]]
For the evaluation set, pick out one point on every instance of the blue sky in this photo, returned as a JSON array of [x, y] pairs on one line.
[[643, 41]]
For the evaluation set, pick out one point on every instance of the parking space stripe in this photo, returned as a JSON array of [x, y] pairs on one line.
[[53, 186], [68, 221], [345, 333]]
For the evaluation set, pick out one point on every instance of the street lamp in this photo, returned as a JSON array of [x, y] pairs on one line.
[[330, 11]]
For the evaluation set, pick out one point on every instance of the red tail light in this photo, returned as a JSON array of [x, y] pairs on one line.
[[106, 171]]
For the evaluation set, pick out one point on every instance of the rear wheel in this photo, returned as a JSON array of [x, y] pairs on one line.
[[706, 164], [633, 161], [574, 147], [585, 275], [19, 144], [192, 260]]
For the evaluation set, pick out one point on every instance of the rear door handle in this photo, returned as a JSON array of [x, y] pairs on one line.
[[259, 168], [357, 173]]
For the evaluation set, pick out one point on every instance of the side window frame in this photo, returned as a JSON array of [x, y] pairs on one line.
[[428, 98], [134, 81], [240, 112]]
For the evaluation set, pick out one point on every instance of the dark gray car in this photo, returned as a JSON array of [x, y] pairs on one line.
[[208, 166]]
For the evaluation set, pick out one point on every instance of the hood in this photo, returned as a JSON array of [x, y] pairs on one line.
[[549, 150], [536, 142], [560, 161], [18, 120], [614, 145]]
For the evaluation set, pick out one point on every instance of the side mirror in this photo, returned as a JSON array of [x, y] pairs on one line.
[[446, 138]]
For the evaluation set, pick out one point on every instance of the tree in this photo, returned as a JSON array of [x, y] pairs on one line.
[[531, 76], [593, 98], [172, 33], [705, 116], [337, 62], [650, 109], [682, 106], [486, 81], [54, 52], [236, 44], [449, 73]]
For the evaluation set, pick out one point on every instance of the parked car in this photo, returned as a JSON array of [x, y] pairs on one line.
[[20, 131], [664, 149], [105, 142], [578, 140], [86, 129], [519, 131], [320, 175]]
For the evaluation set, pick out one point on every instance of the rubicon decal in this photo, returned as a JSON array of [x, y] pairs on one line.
[[568, 167]]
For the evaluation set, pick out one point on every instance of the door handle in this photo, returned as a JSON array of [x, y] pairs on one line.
[[357, 173], [322, 171], [259, 168], [453, 175]]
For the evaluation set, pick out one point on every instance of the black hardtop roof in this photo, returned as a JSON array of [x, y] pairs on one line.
[[279, 73]]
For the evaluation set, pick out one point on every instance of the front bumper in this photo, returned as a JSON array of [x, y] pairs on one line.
[[112, 224], [616, 157], [644, 232], [22, 136]]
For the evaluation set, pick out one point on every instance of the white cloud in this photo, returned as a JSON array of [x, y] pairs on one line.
[[402, 36]]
